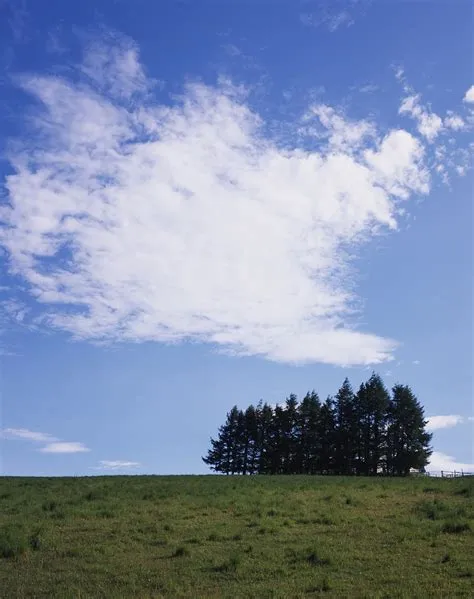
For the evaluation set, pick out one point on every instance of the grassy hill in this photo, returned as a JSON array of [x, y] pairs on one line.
[[212, 536]]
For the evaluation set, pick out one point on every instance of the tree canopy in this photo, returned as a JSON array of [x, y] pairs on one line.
[[369, 432]]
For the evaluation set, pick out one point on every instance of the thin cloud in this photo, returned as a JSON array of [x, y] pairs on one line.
[[438, 422], [64, 447], [53, 445], [24, 434], [332, 21], [188, 222], [117, 465]]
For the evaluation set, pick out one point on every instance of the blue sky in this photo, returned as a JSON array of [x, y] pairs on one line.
[[205, 204]]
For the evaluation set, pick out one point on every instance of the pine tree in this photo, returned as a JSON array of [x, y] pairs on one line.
[[264, 438], [289, 435], [305, 414], [326, 441], [346, 429], [277, 441], [408, 443], [366, 433], [221, 456], [372, 403], [250, 441]]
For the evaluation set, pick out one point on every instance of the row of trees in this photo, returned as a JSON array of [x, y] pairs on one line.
[[366, 433]]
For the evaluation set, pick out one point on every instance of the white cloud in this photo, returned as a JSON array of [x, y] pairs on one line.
[[112, 65], [454, 121], [342, 134], [469, 96], [437, 422], [26, 435], [416, 362], [429, 124], [440, 461], [64, 447], [369, 88], [330, 20], [53, 445], [117, 465], [179, 222]]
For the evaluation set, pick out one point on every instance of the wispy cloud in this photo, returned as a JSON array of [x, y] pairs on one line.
[[334, 14], [53, 445], [117, 465], [448, 421], [429, 124], [170, 223], [15, 13], [26, 435], [64, 447], [332, 21]]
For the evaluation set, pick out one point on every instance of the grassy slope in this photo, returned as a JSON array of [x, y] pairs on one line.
[[236, 537]]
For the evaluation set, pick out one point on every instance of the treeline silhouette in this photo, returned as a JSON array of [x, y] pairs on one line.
[[365, 433]]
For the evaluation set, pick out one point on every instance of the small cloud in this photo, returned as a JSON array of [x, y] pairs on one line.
[[469, 96], [64, 447], [26, 435], [429, 124], [53, 445], [331, 21], [116, 465], [232, 50], [416, 362], [440, 461], [370, 88], [454, 121], [437, 422]]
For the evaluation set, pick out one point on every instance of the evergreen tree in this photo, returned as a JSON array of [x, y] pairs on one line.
[[264, 438], [366, 433], [277, 440], [220, 457], [250, 441], [346, 429], [372, 403], [408, 443], [289, 435], [326, 442], [306, 421]]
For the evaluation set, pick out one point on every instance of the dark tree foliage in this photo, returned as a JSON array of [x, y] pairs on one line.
[[365, 433]]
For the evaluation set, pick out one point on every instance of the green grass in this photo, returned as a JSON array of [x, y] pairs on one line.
[[211, 536]]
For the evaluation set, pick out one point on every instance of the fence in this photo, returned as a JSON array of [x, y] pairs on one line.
[[450, 473]]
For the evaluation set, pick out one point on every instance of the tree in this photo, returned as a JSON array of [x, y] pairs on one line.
[[346, 429], [289, 435], [408, 443], [221, 456], [264, 438], [307, 433], [365, 433], [250, 441], [326, 437], [372, 403]]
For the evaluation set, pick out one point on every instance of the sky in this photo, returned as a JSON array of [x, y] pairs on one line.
[[209, 203]]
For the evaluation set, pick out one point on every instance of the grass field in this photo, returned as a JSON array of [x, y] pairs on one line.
[[212, 536]]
